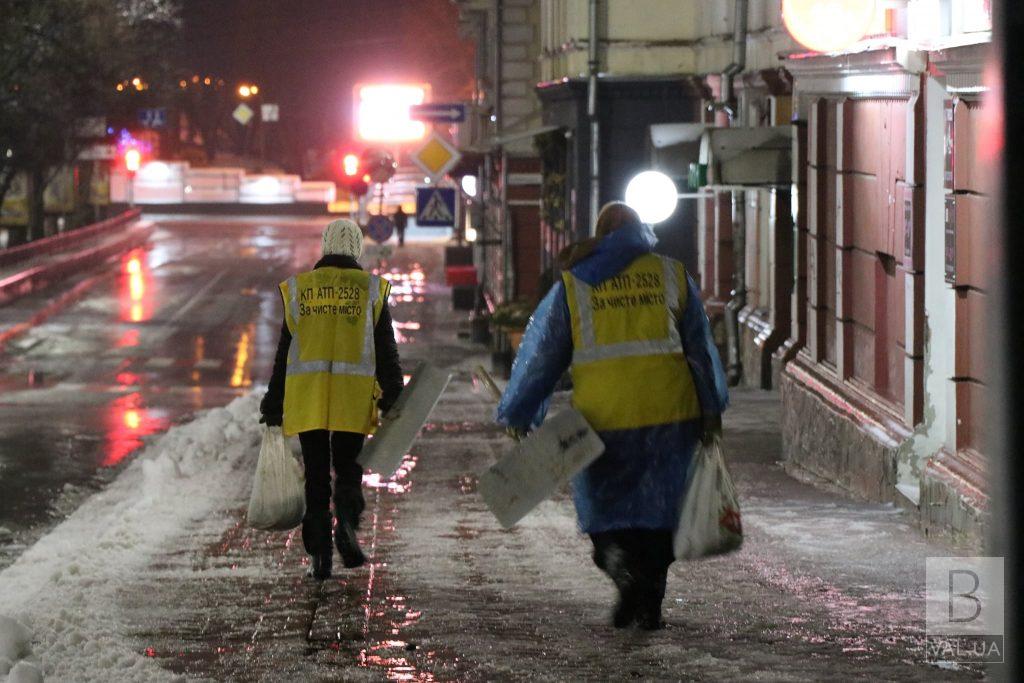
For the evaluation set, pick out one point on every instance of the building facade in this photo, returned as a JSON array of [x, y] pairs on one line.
[[834, 209]]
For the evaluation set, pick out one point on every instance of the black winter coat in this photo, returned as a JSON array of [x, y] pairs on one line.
[[389, 371]]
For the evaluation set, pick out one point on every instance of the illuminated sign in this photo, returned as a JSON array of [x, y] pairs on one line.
[[382, 112]]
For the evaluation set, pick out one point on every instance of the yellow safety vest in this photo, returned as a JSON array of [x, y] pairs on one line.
[[330, 382], [628, 367]]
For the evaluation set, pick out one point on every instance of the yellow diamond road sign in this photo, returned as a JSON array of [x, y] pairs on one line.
[[243, 114], [436, 156]]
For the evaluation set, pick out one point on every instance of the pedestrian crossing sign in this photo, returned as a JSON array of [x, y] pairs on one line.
[[435, 207]]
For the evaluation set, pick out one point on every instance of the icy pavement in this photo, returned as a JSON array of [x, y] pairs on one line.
[[66, 589], [157, 577]]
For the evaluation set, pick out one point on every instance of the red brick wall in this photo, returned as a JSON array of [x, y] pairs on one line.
[[861, 279], [975, 236], [821, 252], [527, 249]]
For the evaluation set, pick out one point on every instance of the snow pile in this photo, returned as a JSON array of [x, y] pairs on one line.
[[14, 648], [63, 589]]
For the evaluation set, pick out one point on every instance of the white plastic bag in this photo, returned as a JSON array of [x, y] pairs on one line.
[[709, 523], [278, 499]]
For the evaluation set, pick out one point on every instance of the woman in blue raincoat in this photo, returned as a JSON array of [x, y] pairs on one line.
[[648, 378]]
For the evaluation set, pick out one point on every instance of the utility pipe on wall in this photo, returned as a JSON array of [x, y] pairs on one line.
[[738, 298], [739, 60], [595, 126]]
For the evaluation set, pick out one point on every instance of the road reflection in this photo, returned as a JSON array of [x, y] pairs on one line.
[[406, 287], [240, 376], [128, 421], [388, 615], [135, 297]]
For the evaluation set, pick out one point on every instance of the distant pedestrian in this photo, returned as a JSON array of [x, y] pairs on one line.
[[401, 222], [646, 375], [337, 345]]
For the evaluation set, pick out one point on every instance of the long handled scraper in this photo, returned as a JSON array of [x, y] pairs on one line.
[[384, 452], [538, 465]]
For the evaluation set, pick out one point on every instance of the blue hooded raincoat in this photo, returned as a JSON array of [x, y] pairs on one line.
[[638, 482]]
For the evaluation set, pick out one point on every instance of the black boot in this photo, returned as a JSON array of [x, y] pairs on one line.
[[625, 612], [348, 545], [649, 603], [316, 532], [320, 565], [316, 537], [613, 562]]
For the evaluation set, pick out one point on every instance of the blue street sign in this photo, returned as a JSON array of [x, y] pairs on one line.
[[448, 112], [153, 118], [380, 229], [435, 207]]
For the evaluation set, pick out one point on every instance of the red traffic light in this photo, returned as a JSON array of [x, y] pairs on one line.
[[350, 165]]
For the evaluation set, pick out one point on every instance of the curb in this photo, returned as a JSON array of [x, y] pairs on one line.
[[47, 245], [39, 277], [63, 301]]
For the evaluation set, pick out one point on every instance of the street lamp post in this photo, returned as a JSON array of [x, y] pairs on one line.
[[132, 161], [247, 91]]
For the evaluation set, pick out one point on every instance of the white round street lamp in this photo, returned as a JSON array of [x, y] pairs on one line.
[[828, 25], [653, 195]]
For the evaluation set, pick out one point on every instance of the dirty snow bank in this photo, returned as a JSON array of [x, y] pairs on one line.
[[63, 588], [14, 648]]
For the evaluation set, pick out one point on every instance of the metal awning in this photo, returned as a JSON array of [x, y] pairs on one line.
[[748, 156], [500, 140], [670, 134]]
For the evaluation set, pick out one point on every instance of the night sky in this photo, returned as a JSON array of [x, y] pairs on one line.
[[307, 55]]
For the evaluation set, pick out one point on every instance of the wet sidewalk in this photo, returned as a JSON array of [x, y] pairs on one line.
[[824, 587]]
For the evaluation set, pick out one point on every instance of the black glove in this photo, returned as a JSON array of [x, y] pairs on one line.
[[711, 427], [272, 419], [271, 411]]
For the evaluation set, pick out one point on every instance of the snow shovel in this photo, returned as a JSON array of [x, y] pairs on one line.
[[537, 465], [384, 452]]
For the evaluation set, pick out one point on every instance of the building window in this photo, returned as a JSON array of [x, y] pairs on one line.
[[971, 16]]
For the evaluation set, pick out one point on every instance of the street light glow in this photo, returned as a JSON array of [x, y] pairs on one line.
[[653, 195], [244, 90], [828, 25], [382, 112], [132, 160], [350, 164]]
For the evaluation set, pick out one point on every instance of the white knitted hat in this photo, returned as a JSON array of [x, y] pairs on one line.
[[343, 237]]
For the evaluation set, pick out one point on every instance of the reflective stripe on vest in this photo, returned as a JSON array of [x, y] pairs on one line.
[[366, 367], [629, 366], [589, 351]]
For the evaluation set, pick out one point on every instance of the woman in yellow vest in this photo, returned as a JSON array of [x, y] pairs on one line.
[[631, 327], [336, 365]]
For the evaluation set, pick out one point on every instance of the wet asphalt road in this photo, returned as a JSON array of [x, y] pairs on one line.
[[186, 323]]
